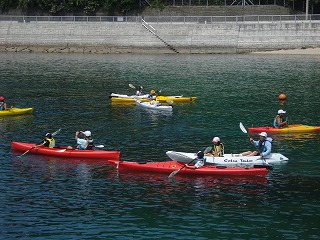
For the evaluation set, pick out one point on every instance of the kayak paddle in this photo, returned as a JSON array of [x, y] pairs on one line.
[[131, 86]]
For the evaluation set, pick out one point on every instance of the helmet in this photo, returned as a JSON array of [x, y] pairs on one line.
[[1, 98], [281, 111], [152, 91], [140, 87], [48, 135], [200, 154], [216, 139]]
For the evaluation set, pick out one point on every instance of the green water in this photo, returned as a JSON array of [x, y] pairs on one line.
[[50, 198]]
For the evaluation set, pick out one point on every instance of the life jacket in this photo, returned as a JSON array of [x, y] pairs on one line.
[[90, 145], [218, 149], [1, 106], [261, 145], [49, 142], [275, 123], [203, 160]]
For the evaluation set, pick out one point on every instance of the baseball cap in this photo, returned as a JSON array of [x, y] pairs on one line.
[[87, 133], [263, 134], [281, 111]]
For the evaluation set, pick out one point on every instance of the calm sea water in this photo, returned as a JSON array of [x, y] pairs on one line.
[[52, 198]]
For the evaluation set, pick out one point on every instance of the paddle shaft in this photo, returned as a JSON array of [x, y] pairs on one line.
[[175, 172]]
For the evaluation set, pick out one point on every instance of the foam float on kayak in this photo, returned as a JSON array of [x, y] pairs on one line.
[[169, 166], [229, 159], [63, 152], [293, 128]]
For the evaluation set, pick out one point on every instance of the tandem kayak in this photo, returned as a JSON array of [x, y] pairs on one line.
[[144, 98], [16, 111], [293, 128], [64, 152], [229, 159], [169, 166], [154, 105]]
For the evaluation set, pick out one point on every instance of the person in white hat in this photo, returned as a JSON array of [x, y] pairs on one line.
[[218, 148], [263, 145], [85, 143], [278, 121]]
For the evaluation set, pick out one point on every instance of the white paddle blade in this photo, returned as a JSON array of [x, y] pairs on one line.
[[131, 86], [173, 173], [99, 146], [243, 129], [208, 149], [56, 132]]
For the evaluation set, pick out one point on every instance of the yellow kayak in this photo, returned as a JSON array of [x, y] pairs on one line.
[[121, 98], [175, 98], [16, 111]]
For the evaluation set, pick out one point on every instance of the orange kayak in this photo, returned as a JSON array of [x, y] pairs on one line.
[[293, 128]]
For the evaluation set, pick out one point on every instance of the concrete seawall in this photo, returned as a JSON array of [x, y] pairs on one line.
[[157, 37]]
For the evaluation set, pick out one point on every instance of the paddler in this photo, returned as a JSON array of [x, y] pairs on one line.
[[48, 141], [218, 148], [139, 92], [199, 161], [85, 143], [278, 121], [3, 105], [263, 145]]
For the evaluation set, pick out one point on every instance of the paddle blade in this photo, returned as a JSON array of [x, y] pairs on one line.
[[99, 146], [131, 86], [208, 149], [173, 173], [56, 132], [243, 129]]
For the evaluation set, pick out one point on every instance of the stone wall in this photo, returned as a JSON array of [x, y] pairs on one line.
[[157, 37]]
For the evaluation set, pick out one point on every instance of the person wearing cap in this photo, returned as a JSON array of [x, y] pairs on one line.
[[198, 162], [278, 121], [139, 92], [48, 141], [3, 105], [263, 145], [85, 143], [218, 148]]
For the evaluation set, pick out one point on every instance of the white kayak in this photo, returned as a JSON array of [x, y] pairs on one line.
[[230, 159], [154, 105], [116, 95]]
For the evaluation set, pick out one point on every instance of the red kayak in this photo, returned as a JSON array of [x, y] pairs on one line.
[[64, 152], [170, 166]]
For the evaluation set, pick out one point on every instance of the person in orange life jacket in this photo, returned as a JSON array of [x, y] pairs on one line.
[[3, 105], [218, 148], [199, 161], [264, 146], [48, 141], [139, 92], [152, 94], [85, 143], [278, 121]]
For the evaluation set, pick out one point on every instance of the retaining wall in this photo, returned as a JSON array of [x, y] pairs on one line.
[[133, 37]]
